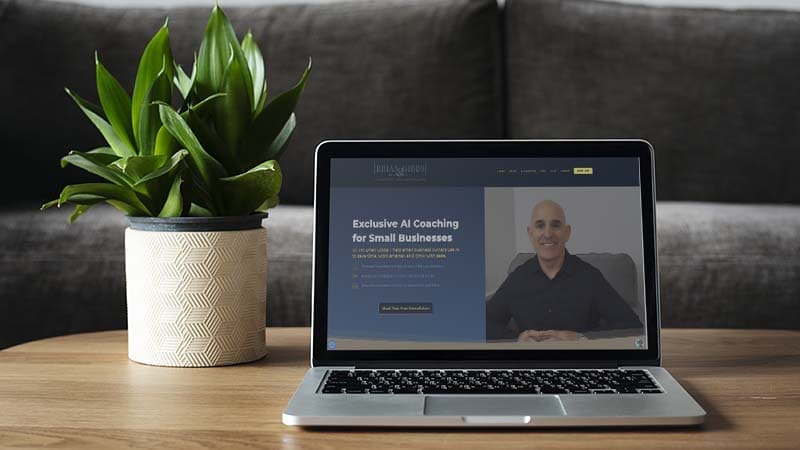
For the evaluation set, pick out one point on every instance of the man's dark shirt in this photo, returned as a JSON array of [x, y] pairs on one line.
[[578, 299]]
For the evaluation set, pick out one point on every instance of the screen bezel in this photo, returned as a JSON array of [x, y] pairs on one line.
[[321, 356]]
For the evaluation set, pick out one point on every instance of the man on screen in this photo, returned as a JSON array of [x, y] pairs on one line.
[[556, 295]]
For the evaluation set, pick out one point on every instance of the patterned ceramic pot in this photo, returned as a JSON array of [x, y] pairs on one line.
[[197, 290]]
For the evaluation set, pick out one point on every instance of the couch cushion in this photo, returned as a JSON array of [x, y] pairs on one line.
[[714, 91], [57, 278], [289, 231], [384, 69], [729, 265]]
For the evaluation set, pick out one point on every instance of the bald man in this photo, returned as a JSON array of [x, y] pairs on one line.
[[556, 295]]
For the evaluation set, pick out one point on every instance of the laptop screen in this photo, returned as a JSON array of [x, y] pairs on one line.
[[486, 253]]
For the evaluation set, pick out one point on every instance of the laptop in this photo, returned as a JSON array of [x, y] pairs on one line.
[[486, 284]]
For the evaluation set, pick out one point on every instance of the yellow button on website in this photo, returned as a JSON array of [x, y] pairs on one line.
[[582, 171]]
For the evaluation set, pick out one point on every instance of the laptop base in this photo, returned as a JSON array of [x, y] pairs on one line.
[[675, 407]]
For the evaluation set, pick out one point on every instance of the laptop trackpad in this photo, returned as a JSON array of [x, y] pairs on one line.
[[494, 405]]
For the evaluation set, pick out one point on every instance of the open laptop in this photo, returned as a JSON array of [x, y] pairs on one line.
[[486, 283]]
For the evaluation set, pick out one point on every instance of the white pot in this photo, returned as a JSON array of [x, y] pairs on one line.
[[196, 298]]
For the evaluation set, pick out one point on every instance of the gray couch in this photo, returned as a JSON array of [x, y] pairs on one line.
[[716, 92]]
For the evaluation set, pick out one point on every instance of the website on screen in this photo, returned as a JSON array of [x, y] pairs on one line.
[[485, 253]]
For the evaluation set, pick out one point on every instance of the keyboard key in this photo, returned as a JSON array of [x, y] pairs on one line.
[[553, 390], [405, 391], [627, 390]]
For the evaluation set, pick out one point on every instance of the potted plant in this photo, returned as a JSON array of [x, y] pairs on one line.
[[196, 182]]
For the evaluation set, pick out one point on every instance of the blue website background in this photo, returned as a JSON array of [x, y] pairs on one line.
[[449, 287]]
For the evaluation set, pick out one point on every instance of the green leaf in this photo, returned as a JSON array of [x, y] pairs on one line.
[[218, 41], [232, 112], [92, 111], [278, 145], [157, 56], [116, 103], [104, 151], [203, 106], [87, 201], [200, 195], [255, 63], [49, 205], [269, 203], [173, 162], [245, 192], [261, 100], [126, 208], [209, 169], [137, 167], [149, 122], [210, 140], [269, 124], [153, 176], [214, 53], [79, 210], [98, 164], [102, 155], [84, 199], [173, 206], [196, 210], [184, 82], [80, 206], [107, 191], [165, 143]]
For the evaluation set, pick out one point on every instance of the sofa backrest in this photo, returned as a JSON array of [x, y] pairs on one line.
[[717, 92], [384, 69]]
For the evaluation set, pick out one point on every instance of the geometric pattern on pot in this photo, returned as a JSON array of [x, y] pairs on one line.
[[196, 299]]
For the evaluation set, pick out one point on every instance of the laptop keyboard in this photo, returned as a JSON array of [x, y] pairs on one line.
[[600, 381]]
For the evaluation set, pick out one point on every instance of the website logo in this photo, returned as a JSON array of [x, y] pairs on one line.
[[399, 170]]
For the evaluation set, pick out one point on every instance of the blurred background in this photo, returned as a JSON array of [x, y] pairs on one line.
[[714, 85]]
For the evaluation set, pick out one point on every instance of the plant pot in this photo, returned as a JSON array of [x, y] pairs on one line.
[[197, 290]]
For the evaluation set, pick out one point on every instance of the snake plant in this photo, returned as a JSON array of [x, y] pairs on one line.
[[215, 155]]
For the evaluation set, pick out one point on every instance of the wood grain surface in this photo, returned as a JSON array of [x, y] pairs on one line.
[[81, 391]]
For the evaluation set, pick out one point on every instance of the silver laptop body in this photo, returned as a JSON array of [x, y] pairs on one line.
[[582, 181]]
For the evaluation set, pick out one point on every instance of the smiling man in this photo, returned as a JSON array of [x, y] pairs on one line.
[[556, 295]]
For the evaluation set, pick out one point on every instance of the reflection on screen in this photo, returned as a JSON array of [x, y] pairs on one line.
[[505, 253]]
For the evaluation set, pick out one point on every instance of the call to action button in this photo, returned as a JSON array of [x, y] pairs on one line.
[[582, 171]]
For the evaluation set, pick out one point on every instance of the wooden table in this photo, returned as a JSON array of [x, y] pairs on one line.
[[81, 391]]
